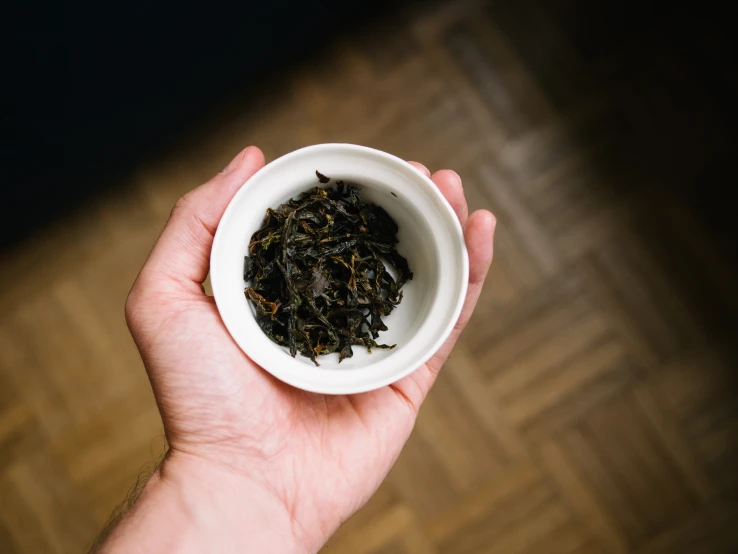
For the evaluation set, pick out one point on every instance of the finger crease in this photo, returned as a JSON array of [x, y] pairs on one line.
[[209, 228], [406, 398]]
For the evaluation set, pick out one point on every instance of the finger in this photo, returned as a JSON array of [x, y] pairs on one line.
[[182, 253], [479, 235], [449, 183], [420, 167]]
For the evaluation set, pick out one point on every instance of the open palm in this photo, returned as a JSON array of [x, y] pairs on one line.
[[321, 456]]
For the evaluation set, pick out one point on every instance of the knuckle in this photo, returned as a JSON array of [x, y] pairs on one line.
[[182, 204], [132, 307]]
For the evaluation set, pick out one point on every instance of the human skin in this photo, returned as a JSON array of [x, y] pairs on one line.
[[255, 465]]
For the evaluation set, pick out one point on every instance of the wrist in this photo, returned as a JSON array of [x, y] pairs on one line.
[[192, 505]]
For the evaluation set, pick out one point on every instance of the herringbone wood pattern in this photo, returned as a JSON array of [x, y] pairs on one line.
[[590, 406]]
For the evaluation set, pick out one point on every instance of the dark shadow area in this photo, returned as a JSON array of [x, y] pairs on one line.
[[669, 75], [95, 91]]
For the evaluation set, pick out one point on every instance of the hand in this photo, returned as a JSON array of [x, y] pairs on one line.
[[311, 460]]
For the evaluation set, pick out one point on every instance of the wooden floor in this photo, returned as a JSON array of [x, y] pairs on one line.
[[590, 407]]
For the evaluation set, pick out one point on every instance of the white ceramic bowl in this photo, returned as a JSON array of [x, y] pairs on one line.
[[430, 237]]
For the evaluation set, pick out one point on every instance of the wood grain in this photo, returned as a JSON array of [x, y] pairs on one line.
[[590, 406]]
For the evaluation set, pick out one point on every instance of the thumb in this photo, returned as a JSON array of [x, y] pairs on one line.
[[180, 257]]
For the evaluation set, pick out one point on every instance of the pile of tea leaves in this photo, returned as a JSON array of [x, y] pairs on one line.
[[317, 272]]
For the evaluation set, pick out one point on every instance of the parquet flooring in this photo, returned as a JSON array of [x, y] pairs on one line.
[[589, 408]]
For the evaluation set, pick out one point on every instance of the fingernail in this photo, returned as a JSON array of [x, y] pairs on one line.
[[235, 162], [425, 169], [458, 177]]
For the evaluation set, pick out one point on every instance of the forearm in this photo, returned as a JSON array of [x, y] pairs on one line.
[[186, 507]]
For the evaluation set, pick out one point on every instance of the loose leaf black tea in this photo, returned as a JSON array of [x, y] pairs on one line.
[[318, 272]]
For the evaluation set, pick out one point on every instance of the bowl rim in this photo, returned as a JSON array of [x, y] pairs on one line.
[[447, 213]]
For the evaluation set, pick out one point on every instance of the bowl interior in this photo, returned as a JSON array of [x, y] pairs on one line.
[[429, 237]]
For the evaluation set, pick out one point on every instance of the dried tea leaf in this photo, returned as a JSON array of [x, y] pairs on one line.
[[322, 178], [317, 274]]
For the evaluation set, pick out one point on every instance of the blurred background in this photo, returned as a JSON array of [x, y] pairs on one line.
[[591, 405]]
